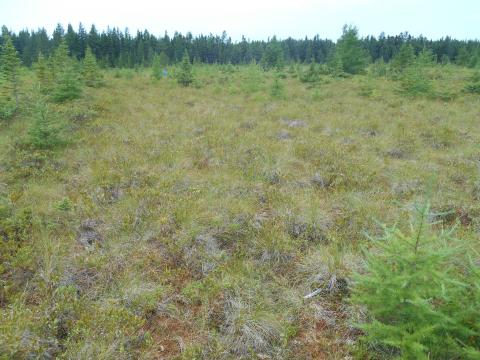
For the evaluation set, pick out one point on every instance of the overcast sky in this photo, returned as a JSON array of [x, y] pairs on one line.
[[256, 19]]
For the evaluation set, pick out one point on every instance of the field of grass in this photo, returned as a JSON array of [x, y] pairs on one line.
[[190, 223]]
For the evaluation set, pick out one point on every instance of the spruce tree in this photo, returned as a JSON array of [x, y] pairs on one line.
[[277, 91], [43, 73], [43, 134], [60, 59], [157, 70], [185, 75], [163, 59], [475, 60], [159, 63], [426, 58], [67, 85], [9, 67], [350, 52], [7, 102], [379, 68], [445, 59], [273, 57], [404, 58], [415, 80], [91, 73], [422, 295], [312, 75], [335, 66]]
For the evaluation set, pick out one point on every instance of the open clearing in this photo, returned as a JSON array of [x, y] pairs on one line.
[[195, 220]]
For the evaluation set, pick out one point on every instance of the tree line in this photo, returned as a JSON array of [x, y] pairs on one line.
[[116, 48]]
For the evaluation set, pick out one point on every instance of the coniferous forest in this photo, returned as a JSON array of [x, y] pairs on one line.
[[116, 48]]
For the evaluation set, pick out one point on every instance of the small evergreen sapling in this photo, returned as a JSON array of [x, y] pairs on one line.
[[422, 295], [473, 88], [277, 91], [312, 75], [44, 133], [415, 82], [9, 65], [405, 58], [335, 65], [185, 75], [426, 58], [59, 60], [159, 65], [157, 70], [68, 86], [349, 52], [43, 74], [66, 75], [91, 74], [379, 69], [273, 57], [7, 103]]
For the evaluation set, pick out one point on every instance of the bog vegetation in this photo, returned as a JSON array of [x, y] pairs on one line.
[[270, 206]]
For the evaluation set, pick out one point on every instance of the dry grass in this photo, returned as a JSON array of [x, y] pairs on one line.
[[210, 227]]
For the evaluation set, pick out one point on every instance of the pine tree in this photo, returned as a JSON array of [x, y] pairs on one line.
[[157, 69], [312, 75], [43, 134], [404, 58], [277, 90], [9, 66], [475, 59], [66, 80], [273, 57], [464, 57], [58, 35], [473, 87], [335, 66], [185, 75], [350, 52], [163, 59], [426, 58], [59, 60], [91, 74], [7, 103], [67, 86], [445, 59], [43, 74], [422, 295], [415, 82], [379, 68]]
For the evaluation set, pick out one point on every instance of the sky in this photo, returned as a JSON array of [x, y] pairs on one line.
[[255, 19]]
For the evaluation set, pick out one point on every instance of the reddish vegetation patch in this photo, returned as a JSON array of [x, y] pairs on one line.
[[318, 342], [170, 336], [320, 339]]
